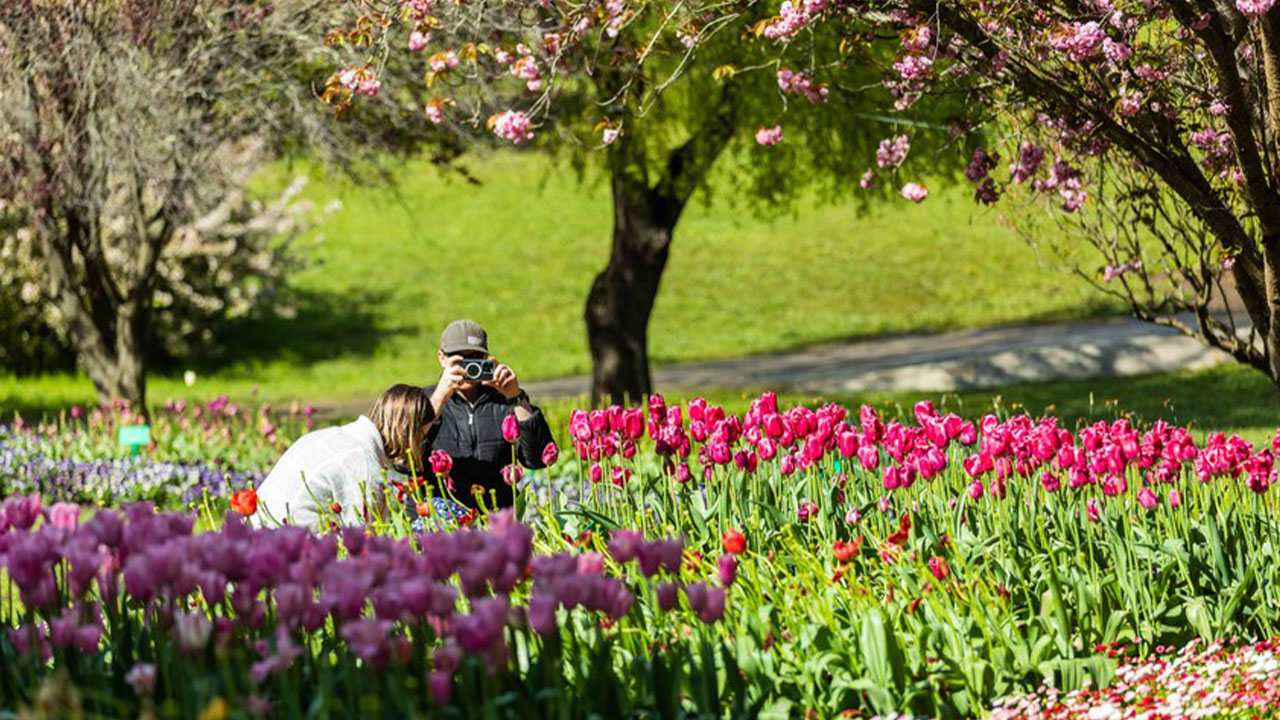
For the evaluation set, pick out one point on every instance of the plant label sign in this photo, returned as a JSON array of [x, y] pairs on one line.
[[135, 436]]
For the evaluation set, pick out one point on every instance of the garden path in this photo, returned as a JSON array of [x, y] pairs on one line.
[[965, 359]]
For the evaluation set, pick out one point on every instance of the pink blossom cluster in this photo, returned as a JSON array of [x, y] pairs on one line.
[[792, 17], [1216, 680], [978, 172], [768, 136], [796, 83], [1067, 181], [1079, 41], [1030, 156], [442, 61], [418, 40], [914, 67], [915, 192], [513, 125], [526, 68], [1219, 152], [360, 80], [893, 151], [1254, 8]]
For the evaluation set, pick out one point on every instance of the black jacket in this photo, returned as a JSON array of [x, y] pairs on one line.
[[472, 435]]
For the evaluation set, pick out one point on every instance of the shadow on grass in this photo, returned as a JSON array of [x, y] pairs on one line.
[[326, 326]]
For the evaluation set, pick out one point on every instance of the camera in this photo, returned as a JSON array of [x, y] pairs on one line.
[[478, 370]]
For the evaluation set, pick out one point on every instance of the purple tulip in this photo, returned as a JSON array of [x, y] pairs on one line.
[[542, 615], [624, 545], [713, 608], [667, 596], [728, 570]]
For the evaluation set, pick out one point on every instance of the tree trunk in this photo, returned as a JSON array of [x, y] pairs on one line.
[[1271, 331], [119, 371], [622, 296]]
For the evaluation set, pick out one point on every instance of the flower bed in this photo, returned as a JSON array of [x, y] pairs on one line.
[[826, 563]]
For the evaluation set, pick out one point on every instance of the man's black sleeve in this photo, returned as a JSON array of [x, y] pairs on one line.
[[535, 435]]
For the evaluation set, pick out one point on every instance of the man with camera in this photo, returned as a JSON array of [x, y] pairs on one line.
[[473, 397]]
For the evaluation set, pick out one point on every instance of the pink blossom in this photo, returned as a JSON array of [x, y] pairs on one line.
[[513, 125], [1116, 52], [914, 67], [435, 110], [1079, 41], [418, 40], [1254, 8], [893, 151], [915, 192], [360, 81], [792, 17], [769, 136], [441, 61], [609, 135], [1030, 156]]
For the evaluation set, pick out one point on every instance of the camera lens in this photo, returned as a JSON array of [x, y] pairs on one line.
[[472, 370]]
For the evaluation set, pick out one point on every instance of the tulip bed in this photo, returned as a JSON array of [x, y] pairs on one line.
[[684, 561]]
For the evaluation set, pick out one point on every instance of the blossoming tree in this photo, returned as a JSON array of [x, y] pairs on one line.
[[128, 133], [656, 93], [1152, 127]]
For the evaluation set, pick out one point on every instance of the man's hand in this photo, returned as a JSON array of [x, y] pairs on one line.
[[505, 381], [451, 378]]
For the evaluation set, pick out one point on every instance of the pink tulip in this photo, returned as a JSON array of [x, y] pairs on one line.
[[683, 474], [441, 463], [1175, 498], [1148, 499], [65, 516], [976, 490], [550, 454], [510, 428]]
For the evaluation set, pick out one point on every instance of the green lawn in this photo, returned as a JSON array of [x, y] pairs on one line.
[[519, 252]]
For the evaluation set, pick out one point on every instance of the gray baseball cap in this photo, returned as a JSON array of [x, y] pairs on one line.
[[464, 336]]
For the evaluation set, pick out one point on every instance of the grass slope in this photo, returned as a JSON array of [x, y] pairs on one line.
[[519, 252]]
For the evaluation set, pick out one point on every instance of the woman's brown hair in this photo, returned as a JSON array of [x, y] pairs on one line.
[[402, 414]]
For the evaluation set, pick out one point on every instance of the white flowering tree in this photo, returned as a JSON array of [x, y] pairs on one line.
[[656, 93], [128, 133]]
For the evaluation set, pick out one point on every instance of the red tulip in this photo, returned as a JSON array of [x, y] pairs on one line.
[[904, 532], [550, 454], [244, 502], [845, 550], [734, 542]]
